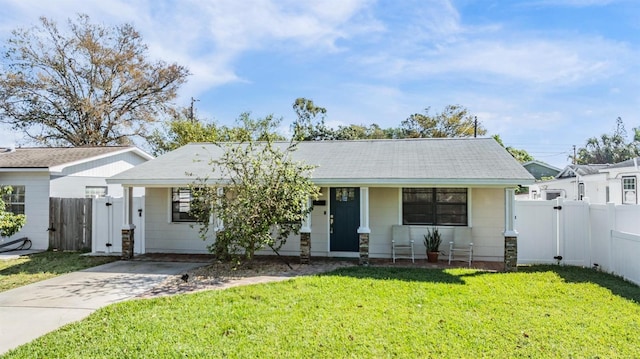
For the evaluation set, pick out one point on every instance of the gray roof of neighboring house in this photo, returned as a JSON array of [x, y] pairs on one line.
[[390, 162], [632, 162], [581, 170], [47, 157]]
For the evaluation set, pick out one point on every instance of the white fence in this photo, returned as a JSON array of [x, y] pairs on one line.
[[606, 236], [108, 218]]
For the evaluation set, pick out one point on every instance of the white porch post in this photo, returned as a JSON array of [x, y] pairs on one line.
[[510, 233], [509, 212], [305, 236], [218, 223], [127, 224], [364, 230]]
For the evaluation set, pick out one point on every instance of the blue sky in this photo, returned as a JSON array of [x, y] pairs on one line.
[[543, 74]]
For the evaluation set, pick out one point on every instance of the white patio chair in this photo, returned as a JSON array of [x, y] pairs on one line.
[[401, 243], [461, 247]]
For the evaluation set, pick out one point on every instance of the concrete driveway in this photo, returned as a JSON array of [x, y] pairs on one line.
[[36, 309]]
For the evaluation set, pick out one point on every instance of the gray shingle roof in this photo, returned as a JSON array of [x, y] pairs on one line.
[[384, 162], [47, 157]]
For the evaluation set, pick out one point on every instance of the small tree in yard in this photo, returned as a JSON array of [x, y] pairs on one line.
[[265, 199], [10, 223]]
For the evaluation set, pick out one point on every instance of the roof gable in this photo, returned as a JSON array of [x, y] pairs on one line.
[[393, 162]]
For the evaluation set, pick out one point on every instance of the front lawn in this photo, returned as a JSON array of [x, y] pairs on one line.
[[40, 266], [538, 312]]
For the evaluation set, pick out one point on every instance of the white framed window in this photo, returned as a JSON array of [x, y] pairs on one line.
[[95, 191], [181, 205], [629, 193], [435, 206], [14, 202]]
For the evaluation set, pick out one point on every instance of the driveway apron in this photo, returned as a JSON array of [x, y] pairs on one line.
[[36, 309]]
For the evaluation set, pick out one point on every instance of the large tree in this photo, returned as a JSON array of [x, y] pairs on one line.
[[266, 195], [89, 85], [521, 155], [309, 124], [612, 148], [453, 121], [182, 129], [10, 223]]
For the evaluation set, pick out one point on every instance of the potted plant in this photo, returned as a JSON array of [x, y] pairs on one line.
[[432, 241]]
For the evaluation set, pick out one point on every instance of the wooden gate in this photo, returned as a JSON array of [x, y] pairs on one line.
[[70, 224]]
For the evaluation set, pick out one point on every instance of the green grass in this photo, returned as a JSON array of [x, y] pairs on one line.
[[40, 266], [538, 312]]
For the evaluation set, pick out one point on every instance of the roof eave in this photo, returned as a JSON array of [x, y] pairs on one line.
[[342, 182]]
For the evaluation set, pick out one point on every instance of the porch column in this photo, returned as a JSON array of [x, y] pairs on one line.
[[305, 236], [218, 224], [127, 224], [510, 233], [364, 230]]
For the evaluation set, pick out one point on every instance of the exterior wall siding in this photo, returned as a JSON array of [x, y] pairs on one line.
[[72, 181], [487, 206], [162, 236], [36, 206]]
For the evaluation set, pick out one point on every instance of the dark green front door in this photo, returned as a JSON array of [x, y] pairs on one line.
[[344, 219]]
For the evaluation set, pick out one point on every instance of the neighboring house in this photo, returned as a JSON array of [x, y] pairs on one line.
[[36, 174], [601, 183], [367, 187], [540, 170]]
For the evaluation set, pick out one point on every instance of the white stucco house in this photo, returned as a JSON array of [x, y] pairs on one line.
[[598, 184], [367, 187], [36, 174]]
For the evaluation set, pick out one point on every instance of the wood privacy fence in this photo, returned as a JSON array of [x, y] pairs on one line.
[[70, 224]]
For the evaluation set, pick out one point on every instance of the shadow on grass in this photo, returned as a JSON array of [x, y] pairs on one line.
[[571, 274], [402, 274], [54, 262]]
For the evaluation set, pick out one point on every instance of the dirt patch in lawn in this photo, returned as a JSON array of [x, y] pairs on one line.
[[221, 275]]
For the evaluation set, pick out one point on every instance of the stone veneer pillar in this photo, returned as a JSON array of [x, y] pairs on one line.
[[305, 248], [510, 254], [364, 249], [127, 243]]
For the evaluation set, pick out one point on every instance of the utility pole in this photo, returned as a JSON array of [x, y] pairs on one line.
[[574, 154], [191, 109]]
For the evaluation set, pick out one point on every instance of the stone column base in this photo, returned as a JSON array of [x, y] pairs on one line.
[[305, 248], [510, 254], [364, 249], [127, 243]]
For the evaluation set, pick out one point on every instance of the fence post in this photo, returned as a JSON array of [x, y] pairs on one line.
[[611, 224]]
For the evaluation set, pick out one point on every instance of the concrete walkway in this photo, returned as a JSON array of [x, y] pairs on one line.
[[36, 309]]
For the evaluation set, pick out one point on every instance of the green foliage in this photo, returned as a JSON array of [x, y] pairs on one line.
[[309, 125], [181, 130], [371, 312], [89, 85], [10, 223], [612, 148], [24, 270], [453, 121], [521, 155], [432, 240], [266, 198]]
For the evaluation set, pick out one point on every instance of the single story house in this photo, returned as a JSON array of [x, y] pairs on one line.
[[36, 174], [596, 183], [367, 187]]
